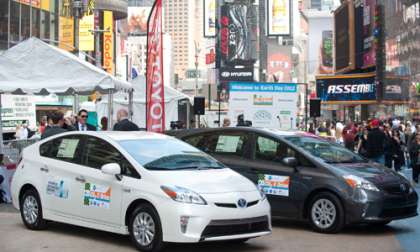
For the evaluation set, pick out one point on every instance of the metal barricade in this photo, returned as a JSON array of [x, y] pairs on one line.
[[13, 148]]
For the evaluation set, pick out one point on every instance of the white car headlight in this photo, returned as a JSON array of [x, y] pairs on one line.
[[183, 195], [358, 182], [262, 193]]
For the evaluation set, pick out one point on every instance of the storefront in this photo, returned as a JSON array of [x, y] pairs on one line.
[[348, 97]]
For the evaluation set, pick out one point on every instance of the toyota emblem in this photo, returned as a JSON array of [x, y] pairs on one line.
[[242, 203]]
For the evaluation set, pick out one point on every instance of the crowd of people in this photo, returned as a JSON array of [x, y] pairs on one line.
[[56, 123], [392, 142]]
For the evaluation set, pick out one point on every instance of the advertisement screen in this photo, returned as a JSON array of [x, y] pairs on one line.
[[137, 20], [209, 18], [369, 48], [346, 88], [278, 13], [271, 105], [344, 37], [236, 43]]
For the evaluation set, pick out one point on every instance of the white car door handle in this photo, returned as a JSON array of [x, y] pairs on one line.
[[81, 179], [44, 169], [127, 190]]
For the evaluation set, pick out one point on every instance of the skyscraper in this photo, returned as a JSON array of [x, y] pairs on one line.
[[184, 23]]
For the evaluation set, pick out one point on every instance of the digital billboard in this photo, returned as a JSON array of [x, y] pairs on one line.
[[209, 18], [279, 17], [237, 46], [137, 20], [344, 38], [369, 47]]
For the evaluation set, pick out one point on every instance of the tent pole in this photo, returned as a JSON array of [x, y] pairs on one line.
[[75, 103], [110, 109], [130, 104], [1, 127]]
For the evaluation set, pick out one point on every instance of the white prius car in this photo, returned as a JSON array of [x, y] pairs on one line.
[[153, 187]]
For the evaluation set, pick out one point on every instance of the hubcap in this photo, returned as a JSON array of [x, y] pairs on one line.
[[144, 229], [30, 209], [323, 213]]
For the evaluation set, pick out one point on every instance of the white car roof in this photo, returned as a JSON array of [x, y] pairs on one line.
[[120, 135]]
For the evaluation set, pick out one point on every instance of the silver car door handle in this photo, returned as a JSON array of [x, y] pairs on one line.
[[81, 179], [44, 169], [127, 190]]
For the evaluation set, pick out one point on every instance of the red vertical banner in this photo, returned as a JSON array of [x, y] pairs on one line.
[[155, 106]]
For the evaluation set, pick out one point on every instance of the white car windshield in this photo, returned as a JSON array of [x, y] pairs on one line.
[[327, 151], [168, 154]]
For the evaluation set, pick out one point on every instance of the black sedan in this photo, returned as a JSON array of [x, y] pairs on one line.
[[308, 178]]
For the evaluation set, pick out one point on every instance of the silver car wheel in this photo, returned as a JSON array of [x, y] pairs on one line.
[[323, 213], [144, 229], [30, 209]]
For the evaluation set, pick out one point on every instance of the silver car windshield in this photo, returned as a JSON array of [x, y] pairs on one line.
[[168, 154], [325, 150]]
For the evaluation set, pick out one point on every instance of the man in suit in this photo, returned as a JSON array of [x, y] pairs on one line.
[[57, 124], [81, 124], [123, 124]]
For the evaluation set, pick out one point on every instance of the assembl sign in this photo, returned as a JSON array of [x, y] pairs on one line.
[[346, 88]]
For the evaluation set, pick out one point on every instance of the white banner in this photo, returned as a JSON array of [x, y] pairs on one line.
[[16, 110], [268, 105]]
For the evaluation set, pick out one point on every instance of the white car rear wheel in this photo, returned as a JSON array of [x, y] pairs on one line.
[[31, 210]]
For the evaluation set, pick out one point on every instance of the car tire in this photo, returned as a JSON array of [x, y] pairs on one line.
[[145, 229], [326, 213], [31, 210]]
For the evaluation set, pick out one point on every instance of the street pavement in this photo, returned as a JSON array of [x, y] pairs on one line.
[[287, 236]]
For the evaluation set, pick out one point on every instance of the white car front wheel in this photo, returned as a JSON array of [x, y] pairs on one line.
[[145, 229]]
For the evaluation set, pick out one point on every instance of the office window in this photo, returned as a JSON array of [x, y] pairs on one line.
[[25, 24]]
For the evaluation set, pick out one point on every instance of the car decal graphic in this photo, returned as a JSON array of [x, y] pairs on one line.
[[57, 188], [97, 195], [274, 184]]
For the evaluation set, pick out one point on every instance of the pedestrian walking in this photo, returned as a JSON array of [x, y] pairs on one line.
[[415, 158], [123, 124], [375, 143], [349, 136], [362, 142], [397, 155]]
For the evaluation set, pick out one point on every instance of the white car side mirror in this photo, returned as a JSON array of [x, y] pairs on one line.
[[113, 169]]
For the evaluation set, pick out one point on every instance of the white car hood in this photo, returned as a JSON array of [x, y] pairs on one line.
[[206, 181]]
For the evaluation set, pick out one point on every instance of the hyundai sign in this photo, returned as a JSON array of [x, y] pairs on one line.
[[236, 74], [358, 88]]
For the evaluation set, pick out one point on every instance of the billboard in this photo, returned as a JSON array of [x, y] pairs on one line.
[[326, 54], [344, 38], [66, 33], [356, 88], [272, 105], [237, 45], [369, 47], [137, 20], [209, 18], [86, 37], [108, 42], [279, 17]]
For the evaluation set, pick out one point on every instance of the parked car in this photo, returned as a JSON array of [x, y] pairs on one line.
[[309, 178], [153, 187]]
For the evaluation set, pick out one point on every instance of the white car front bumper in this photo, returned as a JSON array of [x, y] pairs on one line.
[[214, 223]]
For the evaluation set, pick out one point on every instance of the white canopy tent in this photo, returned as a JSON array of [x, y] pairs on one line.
[[35, 67], [172, 96]]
